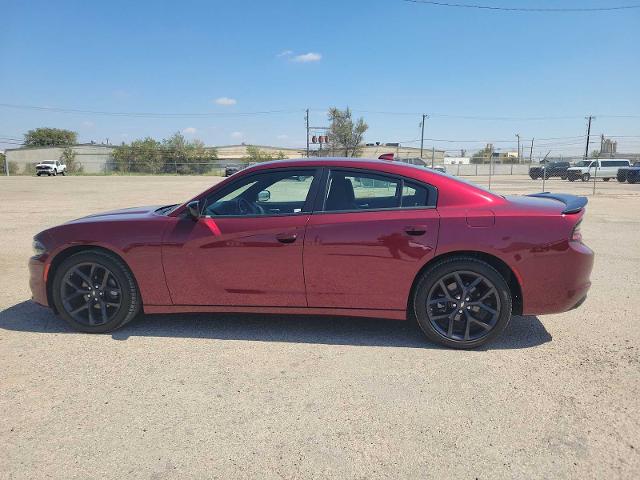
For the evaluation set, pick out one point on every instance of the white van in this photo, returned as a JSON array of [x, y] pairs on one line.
[[604, 169]]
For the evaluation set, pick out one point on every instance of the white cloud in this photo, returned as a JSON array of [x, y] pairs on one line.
[[285, 53], [282, 137], [237, 135], [190, 131], [88, 124], [307, 57], [226, 101]]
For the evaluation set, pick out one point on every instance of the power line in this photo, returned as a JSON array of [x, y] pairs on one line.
[[145, 114], [524, 9]]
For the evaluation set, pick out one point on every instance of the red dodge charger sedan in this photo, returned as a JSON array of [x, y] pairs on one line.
[[326, 236]]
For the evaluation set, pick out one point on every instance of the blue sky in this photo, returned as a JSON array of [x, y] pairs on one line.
[[374, 56]]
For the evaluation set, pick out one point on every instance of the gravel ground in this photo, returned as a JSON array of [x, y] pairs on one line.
[[237, 396]]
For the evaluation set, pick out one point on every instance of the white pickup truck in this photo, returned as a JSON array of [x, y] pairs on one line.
[[51, 167]]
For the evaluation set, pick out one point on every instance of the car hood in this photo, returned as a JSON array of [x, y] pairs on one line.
[[124, 214]]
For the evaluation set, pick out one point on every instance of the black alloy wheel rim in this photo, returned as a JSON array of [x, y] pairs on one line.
[[463, 306], [91, 294]]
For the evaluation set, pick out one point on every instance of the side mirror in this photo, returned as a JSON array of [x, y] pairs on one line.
[[264, 196], [194, 209]]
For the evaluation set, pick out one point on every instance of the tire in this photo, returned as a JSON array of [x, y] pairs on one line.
[[571, 179], [38, 174], [429, 289], [55, 172], [48, 174], [622, 179], [606, 179], [563, 177], [63, 173], [71, 284], [632, 180], [585, 177]]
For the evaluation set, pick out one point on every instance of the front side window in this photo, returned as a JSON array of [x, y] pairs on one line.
[[272, 193], [349, 191]]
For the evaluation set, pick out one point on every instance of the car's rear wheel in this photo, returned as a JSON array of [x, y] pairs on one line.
[[571, 179], [462, 302], [95, 292], [63, 173], [606, 179], [585, 177]]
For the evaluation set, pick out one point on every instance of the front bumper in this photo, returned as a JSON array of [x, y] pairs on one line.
[[574, 174], [37, 280]]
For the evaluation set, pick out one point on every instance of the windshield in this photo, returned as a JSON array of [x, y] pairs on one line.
[[48, 162], [584, 163]]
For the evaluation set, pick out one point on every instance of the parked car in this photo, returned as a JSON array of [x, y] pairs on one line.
[[51, 167], [633, 174], [231, 169], [604, 169], [358, 237], [417, 162], [623, 172], [548, 170]]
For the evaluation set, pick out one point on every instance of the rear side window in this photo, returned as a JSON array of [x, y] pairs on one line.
[[351, 191]]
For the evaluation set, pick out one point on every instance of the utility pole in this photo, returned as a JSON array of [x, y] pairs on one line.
[[531, 151], [586, 149], [306, 117], [518, 135], [424, 116], [433, 155]]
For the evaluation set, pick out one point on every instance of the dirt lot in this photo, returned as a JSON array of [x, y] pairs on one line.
[[232, 396]]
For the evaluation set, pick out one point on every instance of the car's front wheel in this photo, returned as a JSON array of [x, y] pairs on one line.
[[585, 177], [95, 292], [462, 302]]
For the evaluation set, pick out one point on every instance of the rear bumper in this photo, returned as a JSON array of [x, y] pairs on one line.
[[560, 282], [37, 280]]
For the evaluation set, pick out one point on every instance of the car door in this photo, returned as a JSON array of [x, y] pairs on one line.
[[246, 248], [368, 238]]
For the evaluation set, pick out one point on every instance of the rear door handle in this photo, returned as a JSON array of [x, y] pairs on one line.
[[287, 237], [415, 230]]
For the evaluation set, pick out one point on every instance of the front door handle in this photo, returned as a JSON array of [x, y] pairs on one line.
[[287, 237], [415, 230]]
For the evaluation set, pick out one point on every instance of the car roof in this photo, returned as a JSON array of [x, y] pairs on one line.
[[454, 190]]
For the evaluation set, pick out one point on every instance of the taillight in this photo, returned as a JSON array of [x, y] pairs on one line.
[[576, 235]]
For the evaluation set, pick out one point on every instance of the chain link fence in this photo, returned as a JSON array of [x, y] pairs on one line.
[[583, 177]]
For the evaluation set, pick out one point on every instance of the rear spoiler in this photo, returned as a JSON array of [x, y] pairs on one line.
[[572, 203]]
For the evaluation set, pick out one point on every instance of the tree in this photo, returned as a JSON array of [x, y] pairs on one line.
[[345, 135], [68, 157], [140, 156], [173, 155], [50, 137], [482, 156], [187, 157], [255, 155], [595, 154]]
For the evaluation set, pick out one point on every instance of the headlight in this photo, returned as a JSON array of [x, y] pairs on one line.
[[38, 248]]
